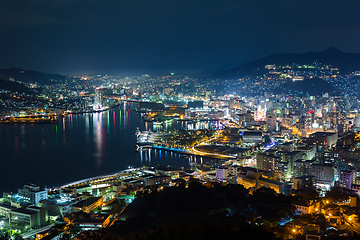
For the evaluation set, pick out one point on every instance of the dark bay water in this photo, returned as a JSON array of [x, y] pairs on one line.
[[77, 147]]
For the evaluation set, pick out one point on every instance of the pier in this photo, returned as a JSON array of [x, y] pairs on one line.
[[51, 118]]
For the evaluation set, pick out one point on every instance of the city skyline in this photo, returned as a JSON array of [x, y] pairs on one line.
[[179, 119]]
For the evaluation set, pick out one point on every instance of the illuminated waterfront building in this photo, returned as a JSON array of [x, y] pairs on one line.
[[32, 194], [98, 101]]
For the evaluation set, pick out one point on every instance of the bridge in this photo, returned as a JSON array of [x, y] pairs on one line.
[[36, 231]]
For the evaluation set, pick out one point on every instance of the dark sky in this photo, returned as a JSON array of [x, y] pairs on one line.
[[110, 36]]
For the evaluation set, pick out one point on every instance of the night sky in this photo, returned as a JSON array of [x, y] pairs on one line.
[[140, 36]]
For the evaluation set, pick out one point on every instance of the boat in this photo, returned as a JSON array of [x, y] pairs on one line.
[[138, 132], [137, 148], [101, 109]]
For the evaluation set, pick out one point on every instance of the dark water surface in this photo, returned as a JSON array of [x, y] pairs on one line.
[[77, 147]]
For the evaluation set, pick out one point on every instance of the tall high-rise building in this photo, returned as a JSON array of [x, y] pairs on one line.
[[337, 121], [271, 123], [308, 121], [260, 113], [98, 101]]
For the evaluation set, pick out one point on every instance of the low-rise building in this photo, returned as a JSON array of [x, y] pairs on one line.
[[256, 180], [32, 194], [89, 204], [305, 206], [56, 207], [226, 173], [31, 216], [253, 137], [158, 180], [323, 139]]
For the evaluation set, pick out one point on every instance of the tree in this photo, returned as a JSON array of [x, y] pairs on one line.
[[17, 237], [179, 182], [5, 236], [308, 193], [337, 194]]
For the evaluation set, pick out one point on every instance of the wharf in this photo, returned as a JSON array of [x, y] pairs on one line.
[[31, 119]]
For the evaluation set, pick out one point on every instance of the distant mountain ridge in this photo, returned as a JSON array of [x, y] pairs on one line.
[[29, 76], [14, 87], [345, 62]]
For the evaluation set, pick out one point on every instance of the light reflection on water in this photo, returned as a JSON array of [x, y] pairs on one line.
[[78, 146]]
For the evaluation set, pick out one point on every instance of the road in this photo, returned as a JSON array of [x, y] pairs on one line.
[[36, 231]]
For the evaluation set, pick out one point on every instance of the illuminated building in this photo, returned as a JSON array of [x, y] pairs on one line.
[[98, 101], [303, 182], [32, 194], [324, 175], [302, 167], [308, 152], [236, 103], [337, 121], [29, 216], [297, 78], [158, 180], [288, 147], [290, 158], [255, 180], [227, 173], [260, 113], [308, 121], [304, 206], [323, 139], [268, 161], [245, 119], [253, 137], [346, 179], [271, 123], [89, 204]]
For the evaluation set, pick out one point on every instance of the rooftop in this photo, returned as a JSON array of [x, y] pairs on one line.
[[87, 202]]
